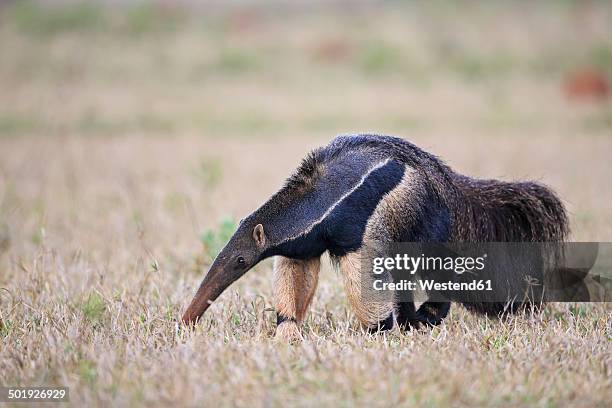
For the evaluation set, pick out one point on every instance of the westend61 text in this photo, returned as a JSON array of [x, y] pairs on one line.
[[428, 284]]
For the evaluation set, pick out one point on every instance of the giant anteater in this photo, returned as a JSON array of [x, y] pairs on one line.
[[362, 188]]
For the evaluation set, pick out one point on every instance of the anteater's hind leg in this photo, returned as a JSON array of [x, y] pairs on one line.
[[295, 282], [429, 314], [374, 315], [432, 313], [407, 316]]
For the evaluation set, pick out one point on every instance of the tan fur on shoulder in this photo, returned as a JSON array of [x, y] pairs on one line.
[[393, 210]]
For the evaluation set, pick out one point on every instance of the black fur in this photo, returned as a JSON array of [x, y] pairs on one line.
[[281, 318], [429, 314]]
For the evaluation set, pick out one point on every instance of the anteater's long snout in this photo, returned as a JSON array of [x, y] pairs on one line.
[[201, 301], [216, 281]]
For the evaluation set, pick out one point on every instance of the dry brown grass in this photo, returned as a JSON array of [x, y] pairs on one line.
[[118, 151]]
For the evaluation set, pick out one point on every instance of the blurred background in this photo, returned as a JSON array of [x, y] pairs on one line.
[[284, 69], [183, 116], [199, 110]]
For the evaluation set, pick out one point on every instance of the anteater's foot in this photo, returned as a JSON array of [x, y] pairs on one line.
[[383, 325], [406, 316], [428, 314], [432, 313], [288, 332]]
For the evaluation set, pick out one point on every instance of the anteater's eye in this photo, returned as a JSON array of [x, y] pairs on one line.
[[240, 261]]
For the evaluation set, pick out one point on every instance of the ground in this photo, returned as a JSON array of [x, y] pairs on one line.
[[130, 143]]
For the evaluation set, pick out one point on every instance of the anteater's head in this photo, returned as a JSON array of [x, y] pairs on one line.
[[252, 243], [243, 251]]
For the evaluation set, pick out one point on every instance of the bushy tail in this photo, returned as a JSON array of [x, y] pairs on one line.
[[496, 211]]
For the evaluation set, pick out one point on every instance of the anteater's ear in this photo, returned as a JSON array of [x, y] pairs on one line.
[[259, 236]]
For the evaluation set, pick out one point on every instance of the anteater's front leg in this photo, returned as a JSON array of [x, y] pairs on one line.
[[294, 283], [373, 314]]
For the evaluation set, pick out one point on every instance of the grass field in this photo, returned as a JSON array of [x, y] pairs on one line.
[[132, 140]]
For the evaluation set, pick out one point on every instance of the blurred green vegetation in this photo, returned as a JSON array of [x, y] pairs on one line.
[[215, 239], [34, 18], [209, 172], [5, 328], [87, 370], [94, 309], [235, 61], [597, 121]]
